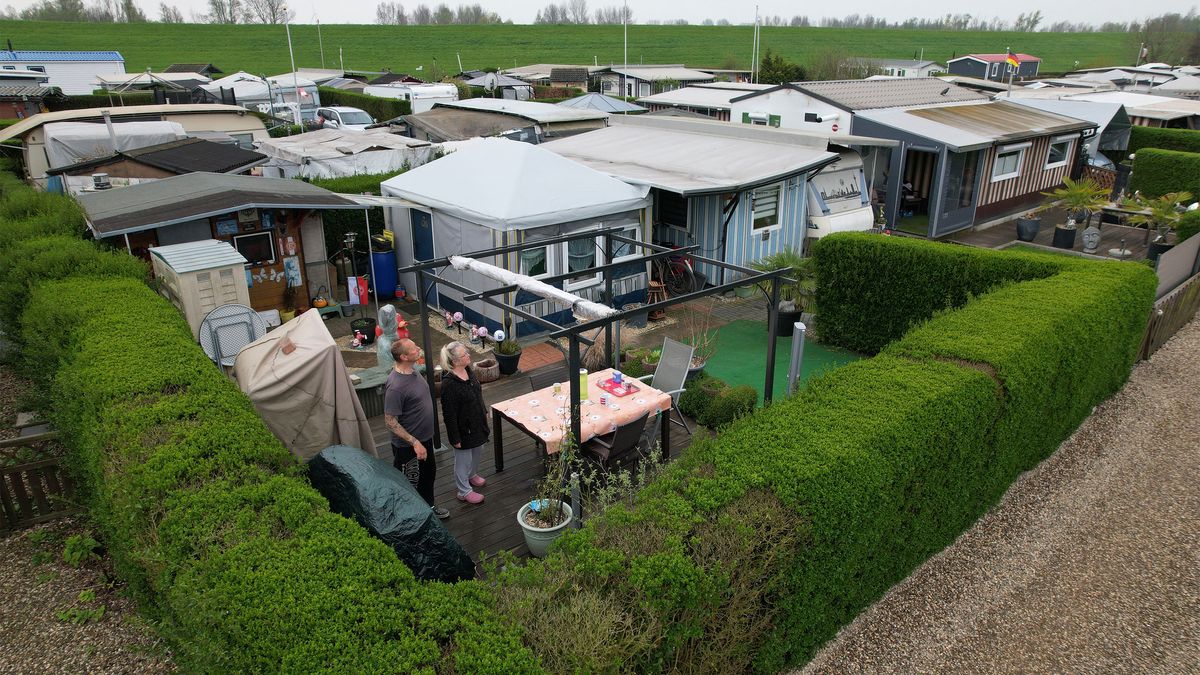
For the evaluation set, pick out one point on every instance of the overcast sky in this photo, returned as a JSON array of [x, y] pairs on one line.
[[695, 11]]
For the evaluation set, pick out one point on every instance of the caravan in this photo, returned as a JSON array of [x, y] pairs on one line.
[[421, 97], [838, 197]]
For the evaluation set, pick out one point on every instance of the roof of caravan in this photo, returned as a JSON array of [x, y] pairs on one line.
[[975, 126]]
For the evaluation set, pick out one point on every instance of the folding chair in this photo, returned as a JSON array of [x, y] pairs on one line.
[[671, 373]]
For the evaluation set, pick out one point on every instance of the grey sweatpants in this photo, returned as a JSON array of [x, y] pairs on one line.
[[466, 464]]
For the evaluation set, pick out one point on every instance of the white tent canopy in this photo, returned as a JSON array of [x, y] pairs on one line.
[[507, 185]]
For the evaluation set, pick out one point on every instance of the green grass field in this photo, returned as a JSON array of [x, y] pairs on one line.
[[263, 49]]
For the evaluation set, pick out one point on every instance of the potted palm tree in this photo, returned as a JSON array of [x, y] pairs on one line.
[[1081, 198], [1164, 215], [794, 299]]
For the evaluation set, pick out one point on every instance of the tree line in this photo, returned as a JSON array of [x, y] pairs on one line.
[[394, 14]]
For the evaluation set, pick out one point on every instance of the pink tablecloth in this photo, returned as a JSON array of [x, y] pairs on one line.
[[548, 417]]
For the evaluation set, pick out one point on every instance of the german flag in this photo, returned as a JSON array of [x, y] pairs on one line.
[[1011, 59]]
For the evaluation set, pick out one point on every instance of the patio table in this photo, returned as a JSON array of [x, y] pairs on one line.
[[545, 417]]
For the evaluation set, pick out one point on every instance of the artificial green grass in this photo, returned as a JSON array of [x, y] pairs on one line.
[[918, 224], [741, 357]]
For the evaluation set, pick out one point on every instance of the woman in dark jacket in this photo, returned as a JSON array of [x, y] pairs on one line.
[[466, 420]]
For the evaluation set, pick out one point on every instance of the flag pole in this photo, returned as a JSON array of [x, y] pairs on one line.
[[1011, 70]]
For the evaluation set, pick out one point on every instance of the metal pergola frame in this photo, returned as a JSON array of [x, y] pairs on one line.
[[425, 273]]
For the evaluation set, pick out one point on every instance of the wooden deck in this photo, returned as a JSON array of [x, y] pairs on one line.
[[1004, 234], [492, 527]]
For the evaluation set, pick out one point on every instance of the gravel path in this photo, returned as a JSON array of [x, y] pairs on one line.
[[1090, 563]]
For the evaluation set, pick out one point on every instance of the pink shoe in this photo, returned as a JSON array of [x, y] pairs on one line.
[[471, 497], [478, 481]]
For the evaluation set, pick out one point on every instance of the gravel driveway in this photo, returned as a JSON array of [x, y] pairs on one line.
[[1090, 563]]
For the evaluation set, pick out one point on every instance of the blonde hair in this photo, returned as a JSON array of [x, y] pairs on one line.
[[447, 355]]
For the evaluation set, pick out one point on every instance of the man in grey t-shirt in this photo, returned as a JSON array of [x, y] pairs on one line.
[[408, 412]]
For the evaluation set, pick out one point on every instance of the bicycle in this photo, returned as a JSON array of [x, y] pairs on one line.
[[676, 274]]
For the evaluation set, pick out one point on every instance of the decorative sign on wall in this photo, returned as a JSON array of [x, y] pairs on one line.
[[268, 220], [291, 270], [226, 226], [247, 216]]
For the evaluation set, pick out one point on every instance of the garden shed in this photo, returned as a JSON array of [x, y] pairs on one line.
[[496, 192], [199, 276], [275, 224]]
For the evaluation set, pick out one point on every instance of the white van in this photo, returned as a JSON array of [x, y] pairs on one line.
[[420, 96]]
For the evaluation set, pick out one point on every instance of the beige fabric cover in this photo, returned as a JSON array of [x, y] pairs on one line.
[[306, 398]]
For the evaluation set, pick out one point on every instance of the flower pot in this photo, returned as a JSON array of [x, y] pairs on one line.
[[785, 322], [286, 315], [347, 309], [509, 363], [1064, 238], [487, 370], [1156, 249], [693, 371], [366, 326], [638, 320], [1027, 228], [745, 291], [538, 539]]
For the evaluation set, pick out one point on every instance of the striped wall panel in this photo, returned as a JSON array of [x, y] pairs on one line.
[[920, 169], [1033, 178]]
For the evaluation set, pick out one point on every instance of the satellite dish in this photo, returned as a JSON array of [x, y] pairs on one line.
[[489, 82], [227, 329]]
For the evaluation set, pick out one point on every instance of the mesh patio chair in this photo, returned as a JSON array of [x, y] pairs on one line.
[[671, 373]]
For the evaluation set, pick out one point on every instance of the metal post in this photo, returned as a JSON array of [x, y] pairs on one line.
[[797, 357], [573, 378], [437, 434], [772, 334], [374, 283], [608, 294], [350, 237]]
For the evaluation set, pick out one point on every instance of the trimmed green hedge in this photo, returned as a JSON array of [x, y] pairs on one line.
[[33, 261], [1184, 140], [712, 402], [382, 109], [206, 516], [100, 100], [872, 289], [1158, 172], [878, 465]]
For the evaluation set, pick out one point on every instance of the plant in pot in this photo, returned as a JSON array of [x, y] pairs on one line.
[[1081, 198], [794, 298], [507, 351], [546, 517], [1028, 225], [289, 304], [703, 340], [1164, 215]]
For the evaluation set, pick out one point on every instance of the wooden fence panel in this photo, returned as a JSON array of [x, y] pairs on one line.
[[1105, 178], [1171, 312], [32, 492]]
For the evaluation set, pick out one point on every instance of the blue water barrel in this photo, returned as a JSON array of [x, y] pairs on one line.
[[384, 282]]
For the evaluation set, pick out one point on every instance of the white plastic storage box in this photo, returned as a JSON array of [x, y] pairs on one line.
[[199, 276]]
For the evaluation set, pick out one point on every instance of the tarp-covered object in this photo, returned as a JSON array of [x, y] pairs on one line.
[[306, 397], [70, 143], [377, 495]]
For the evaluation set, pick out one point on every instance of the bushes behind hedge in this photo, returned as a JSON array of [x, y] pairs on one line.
[[712, 402], [1158, 172], [1184, 140], [205, 515], [871, 289], [382, 109], [1189, 225]]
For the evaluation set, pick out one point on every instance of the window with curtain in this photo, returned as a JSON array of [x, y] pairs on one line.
[[623, 250], [581, 258], [534, 262]]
